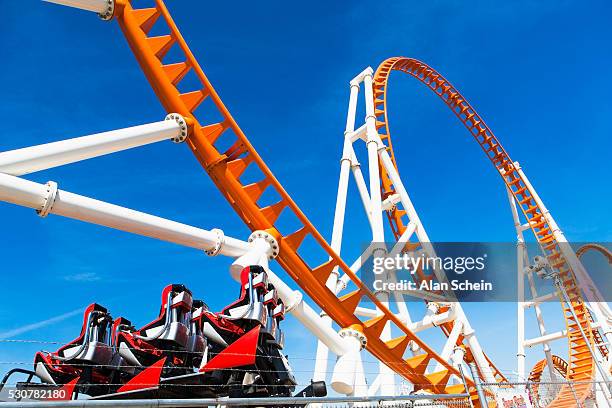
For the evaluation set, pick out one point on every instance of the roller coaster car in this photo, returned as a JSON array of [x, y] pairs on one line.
[[186, 352], [244, 342], [167, 336], [88, 360]]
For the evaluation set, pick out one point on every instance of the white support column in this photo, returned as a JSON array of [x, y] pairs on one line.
[[451, 343], [47, 199], [520, 305], [540, 320], [31, 159], [320, 371], [374, 144], [361, 384], [361, 185], [477, 352], [457, 362], [345, 372]]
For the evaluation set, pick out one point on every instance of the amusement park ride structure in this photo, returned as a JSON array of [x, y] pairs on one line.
[[364, 319]]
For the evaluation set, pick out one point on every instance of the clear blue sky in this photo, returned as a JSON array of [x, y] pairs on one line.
[[536, 71]]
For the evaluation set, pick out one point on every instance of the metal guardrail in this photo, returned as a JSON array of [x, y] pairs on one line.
[[458, 399]]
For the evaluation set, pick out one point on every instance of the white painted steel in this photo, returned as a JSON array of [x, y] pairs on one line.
[[541, 299], [374, 144], [322, 355], [97, 6], [306, 315], [545, 339], [35, 158], [355, 267], [29, 194], [451, 343], [361, 185], [469, 334], [520, 305], [358, 134], [257, 254], [432, 320], [600, 310], [522, 263], [344, 375], [373, 206]]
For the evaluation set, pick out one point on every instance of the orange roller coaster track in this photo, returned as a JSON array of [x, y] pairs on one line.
[[559, 365], [581, 363], [595, 247], [226, 168]]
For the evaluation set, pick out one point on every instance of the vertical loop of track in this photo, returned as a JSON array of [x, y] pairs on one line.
[[226, 166], [581, 365]]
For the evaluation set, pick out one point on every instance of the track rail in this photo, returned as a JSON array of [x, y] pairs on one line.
[[535, 375], [595, 247], [599, 340], [581, 364], [226, 166]]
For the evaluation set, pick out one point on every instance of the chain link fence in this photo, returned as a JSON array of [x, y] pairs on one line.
[[595, 394]]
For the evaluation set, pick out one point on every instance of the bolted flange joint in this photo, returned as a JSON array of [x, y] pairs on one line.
[[434, 307], [382, 292], [218, 243], [259, 234], [350, 332], [109, 12], [296, 299], [49, 199], [183, 126]]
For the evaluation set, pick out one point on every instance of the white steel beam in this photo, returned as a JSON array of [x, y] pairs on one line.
[[358, 134], [355, 267], [29, 194], [97, 6], [306, 315], [47, 199], [545, 339], [541, 299], [431, 320], [35, 158]]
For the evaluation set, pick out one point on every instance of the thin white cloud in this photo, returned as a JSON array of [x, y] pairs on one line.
[[33, 326], [82, 277]]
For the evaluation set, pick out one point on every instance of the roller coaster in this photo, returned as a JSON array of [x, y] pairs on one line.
[[189, 351]]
